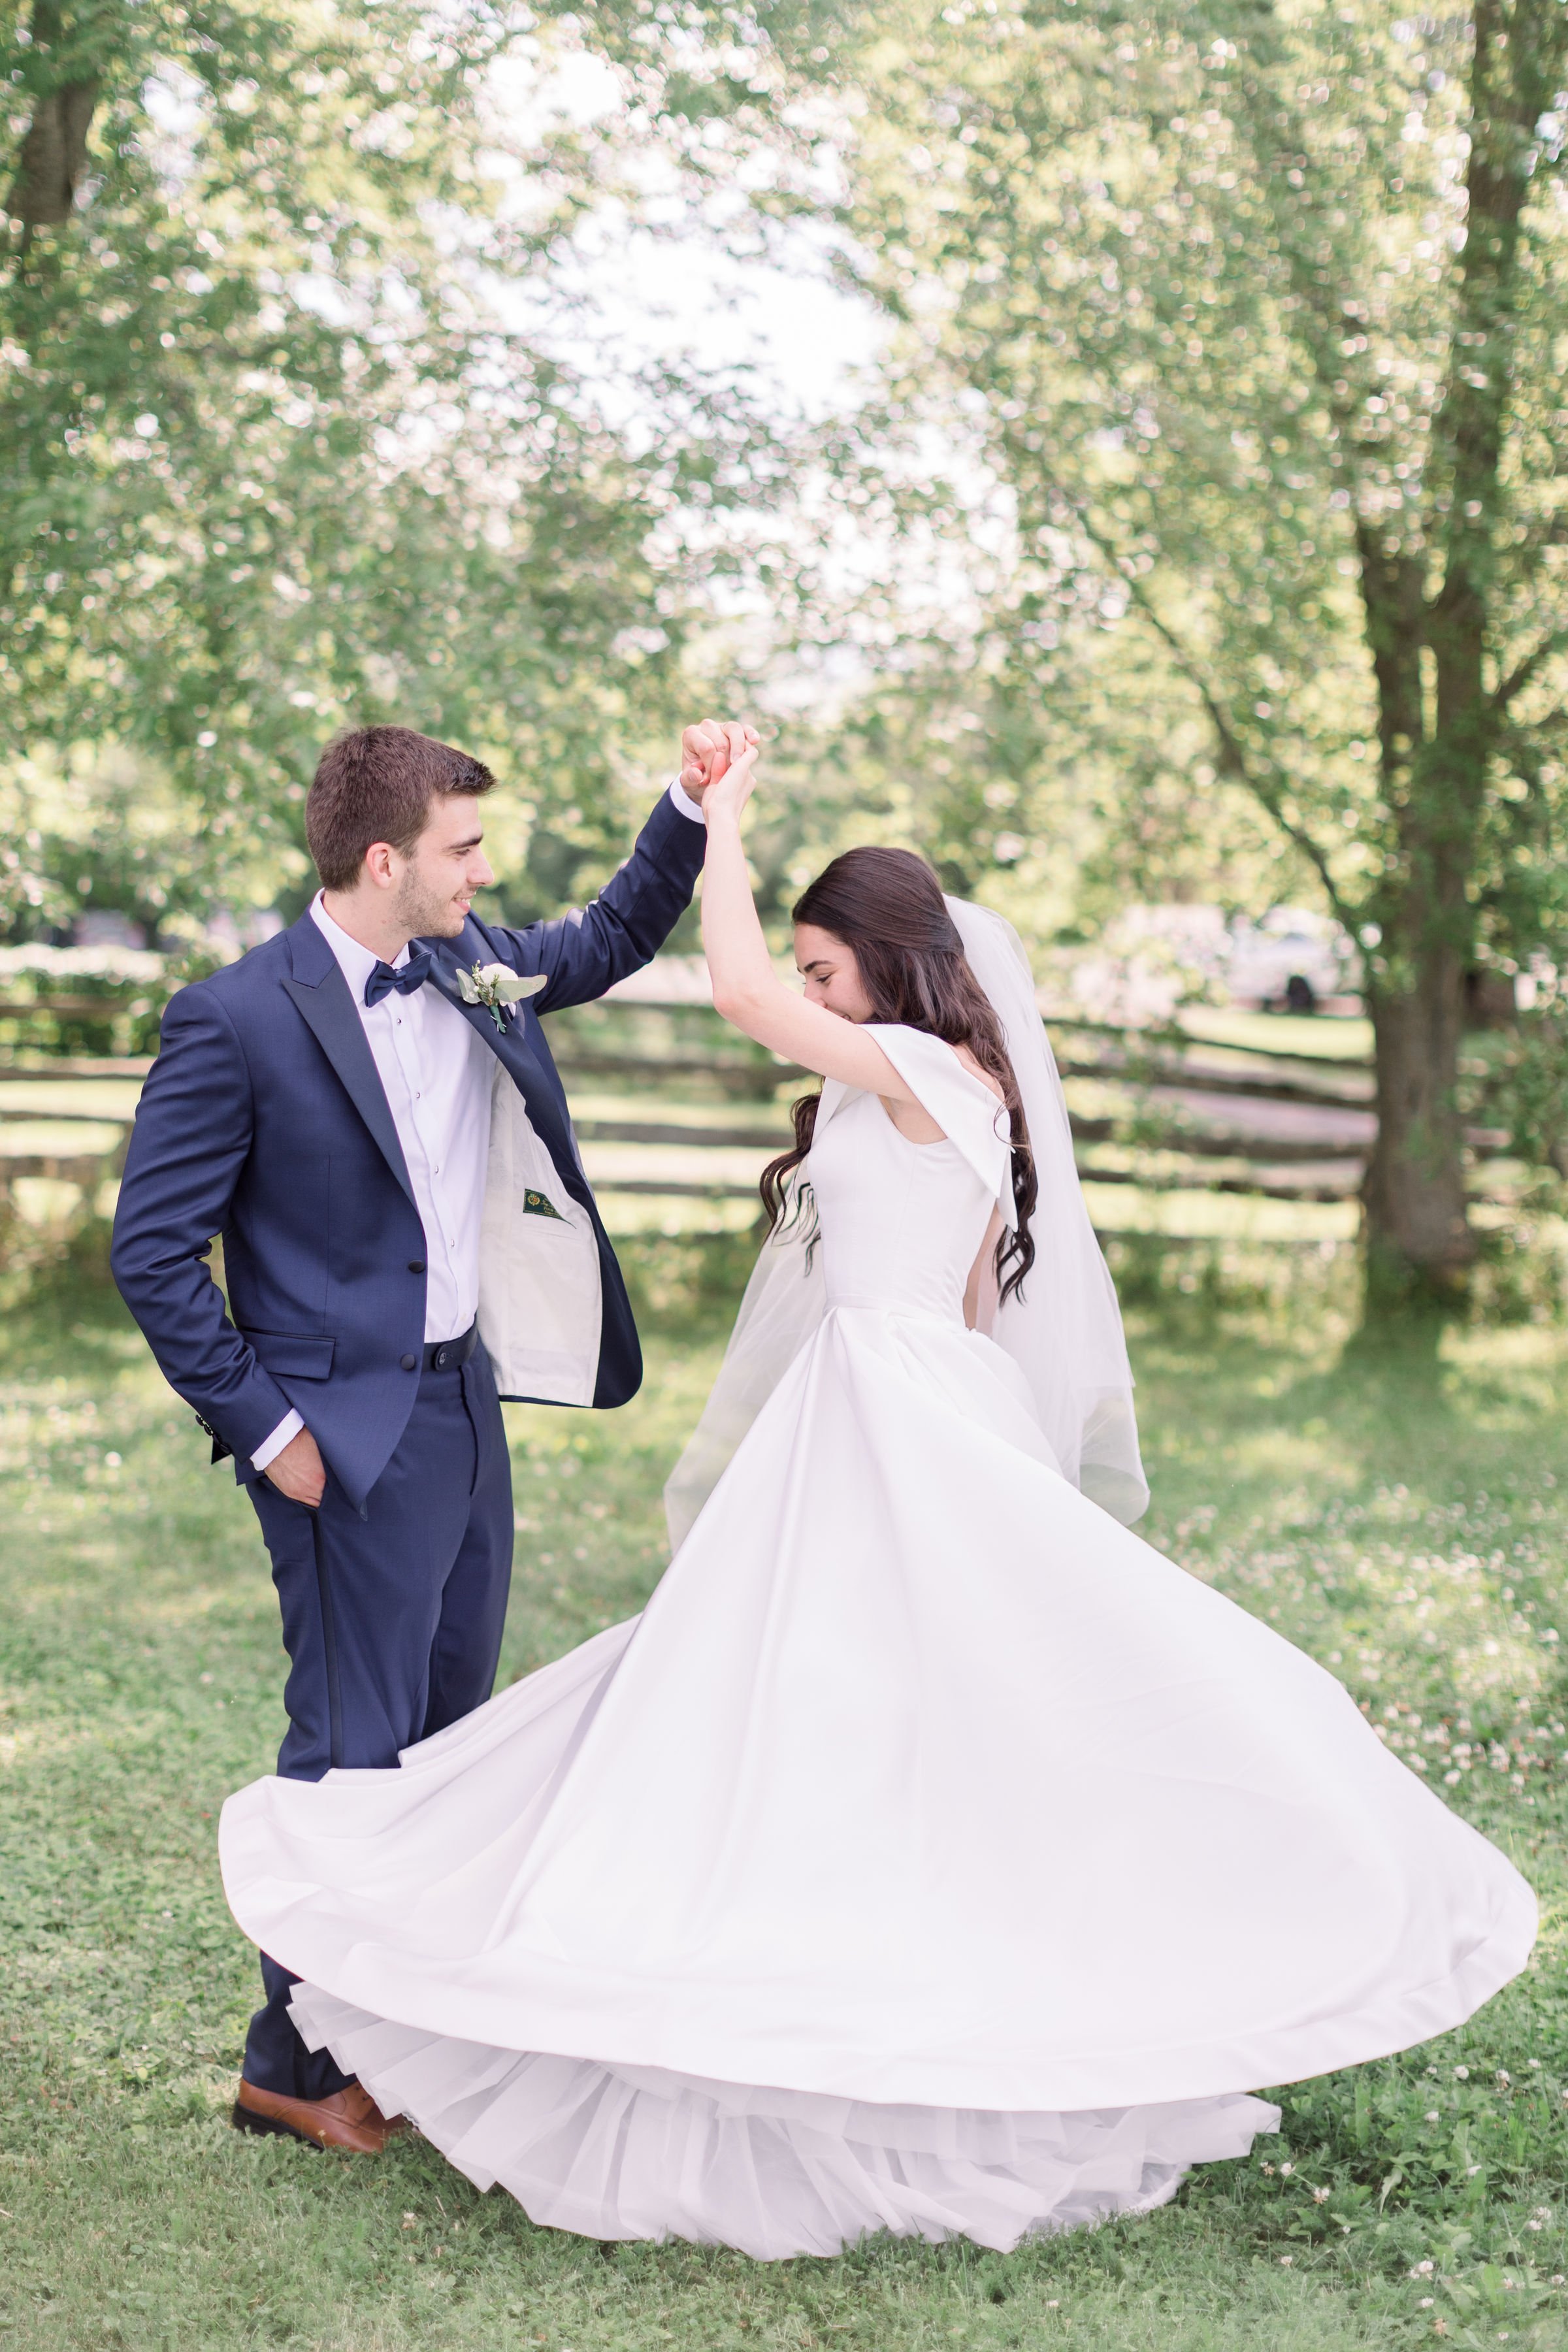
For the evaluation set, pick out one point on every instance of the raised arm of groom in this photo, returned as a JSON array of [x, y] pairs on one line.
[[380, 1153]]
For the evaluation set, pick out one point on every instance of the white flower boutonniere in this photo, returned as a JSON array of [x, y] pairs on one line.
[[496, 987]]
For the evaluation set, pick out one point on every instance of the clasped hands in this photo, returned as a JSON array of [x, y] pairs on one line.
[[714, 749]]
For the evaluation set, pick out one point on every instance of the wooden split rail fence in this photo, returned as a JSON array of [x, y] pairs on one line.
[[677, 1109], [1158, 1115]]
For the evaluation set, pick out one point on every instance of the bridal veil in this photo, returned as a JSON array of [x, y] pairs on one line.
[[1063, 1329]]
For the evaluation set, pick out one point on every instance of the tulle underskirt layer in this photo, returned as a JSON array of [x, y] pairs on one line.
[[635, 2152]]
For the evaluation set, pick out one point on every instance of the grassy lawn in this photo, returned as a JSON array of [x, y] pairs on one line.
[[1408, 1523]]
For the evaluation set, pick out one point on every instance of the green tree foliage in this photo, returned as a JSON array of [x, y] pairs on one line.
[[105, 830], [1252, 315], [272, 460]]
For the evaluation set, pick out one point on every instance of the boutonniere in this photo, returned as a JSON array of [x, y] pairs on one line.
[[496, 987]]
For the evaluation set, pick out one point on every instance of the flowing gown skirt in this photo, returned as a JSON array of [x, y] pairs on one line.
[[932, 1854]]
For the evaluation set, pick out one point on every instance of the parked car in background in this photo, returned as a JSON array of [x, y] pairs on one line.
[[1290, 960], [1152, 958]]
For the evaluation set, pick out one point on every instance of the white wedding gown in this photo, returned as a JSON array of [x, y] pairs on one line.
[[930, 1855]]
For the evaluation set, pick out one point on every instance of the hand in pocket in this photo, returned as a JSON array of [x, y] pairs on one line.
[[298, 1471]]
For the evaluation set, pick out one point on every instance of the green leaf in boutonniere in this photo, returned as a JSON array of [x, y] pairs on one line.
[[496, 987]]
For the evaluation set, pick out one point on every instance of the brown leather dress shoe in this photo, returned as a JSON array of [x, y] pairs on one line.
[[350, 2118]]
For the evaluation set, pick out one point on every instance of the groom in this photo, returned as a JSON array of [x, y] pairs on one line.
[[372, 1120]]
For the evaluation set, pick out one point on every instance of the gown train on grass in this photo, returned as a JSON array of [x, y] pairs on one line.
[[932, 1854]]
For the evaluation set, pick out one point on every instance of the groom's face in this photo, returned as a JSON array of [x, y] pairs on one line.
[[438, 878]]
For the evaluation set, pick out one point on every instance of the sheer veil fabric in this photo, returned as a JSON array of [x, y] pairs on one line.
[[1063, 1329]]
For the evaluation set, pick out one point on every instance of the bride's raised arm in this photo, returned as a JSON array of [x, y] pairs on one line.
[[747, 990]]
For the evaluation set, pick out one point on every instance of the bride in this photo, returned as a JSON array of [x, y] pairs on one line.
[[932, 1854]]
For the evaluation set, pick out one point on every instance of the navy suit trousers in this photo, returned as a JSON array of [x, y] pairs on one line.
[[393, 1625]]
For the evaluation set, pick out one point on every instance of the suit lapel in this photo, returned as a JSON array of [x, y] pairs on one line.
[[447, 957], [510, 1045], [322, 994]]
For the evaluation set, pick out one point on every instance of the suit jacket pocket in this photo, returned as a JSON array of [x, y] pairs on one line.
[[303, 1356]]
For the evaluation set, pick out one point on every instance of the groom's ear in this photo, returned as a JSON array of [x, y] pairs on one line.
[[381, 866]]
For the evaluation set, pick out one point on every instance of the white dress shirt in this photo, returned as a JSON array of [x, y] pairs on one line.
[[436, 1073]]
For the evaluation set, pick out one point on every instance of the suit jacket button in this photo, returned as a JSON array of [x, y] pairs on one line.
[[408, 1362], [416, 1265]]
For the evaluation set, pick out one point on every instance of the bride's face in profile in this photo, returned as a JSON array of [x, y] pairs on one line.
[[831, 974]]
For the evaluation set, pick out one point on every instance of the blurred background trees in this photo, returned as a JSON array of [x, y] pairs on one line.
[[275, 455], [1249, 321], [1195, 534]]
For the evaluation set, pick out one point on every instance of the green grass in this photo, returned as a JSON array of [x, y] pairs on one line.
[[1408, 1521], [1334, 1038]]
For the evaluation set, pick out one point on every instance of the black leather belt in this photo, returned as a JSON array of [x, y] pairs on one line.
[[444, 1355]]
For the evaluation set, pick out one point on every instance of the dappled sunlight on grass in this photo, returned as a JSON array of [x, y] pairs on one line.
[[1403, 1519]]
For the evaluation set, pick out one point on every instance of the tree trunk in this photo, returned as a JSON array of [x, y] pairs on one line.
[[1435, 770], [54, 153], [1419, 1245]]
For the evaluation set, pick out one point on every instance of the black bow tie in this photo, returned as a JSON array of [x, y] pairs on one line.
[[414, 975]]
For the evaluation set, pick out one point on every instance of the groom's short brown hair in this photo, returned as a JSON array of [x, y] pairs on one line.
[[377, 784]]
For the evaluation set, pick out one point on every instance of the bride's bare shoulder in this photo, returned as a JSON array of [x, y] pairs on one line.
[[972, 1067]]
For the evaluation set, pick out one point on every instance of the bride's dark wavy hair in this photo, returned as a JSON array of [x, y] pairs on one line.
[[886, 906]]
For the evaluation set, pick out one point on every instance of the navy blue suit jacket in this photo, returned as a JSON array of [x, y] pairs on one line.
[[264, 1121]]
